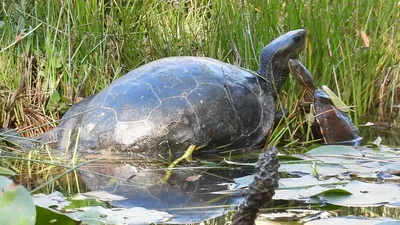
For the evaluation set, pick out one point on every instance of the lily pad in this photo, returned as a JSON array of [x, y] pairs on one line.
[[305, 168], [135, 215], [354, 220], [288, 215], [385, 152], [55, 200], [305, 181], [16, 204], [288, 157], [50, 216], [361, 171], [337, 159], [99, 195], [242, 182], [307, 193], [335, 150], [392, 168], [333, 191], [366, 194], [305, 187]]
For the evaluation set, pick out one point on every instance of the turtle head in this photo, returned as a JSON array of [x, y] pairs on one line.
[[301, 74], [303, 77], [275, 56]]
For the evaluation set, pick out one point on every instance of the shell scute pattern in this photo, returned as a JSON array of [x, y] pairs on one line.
[[178, 101]]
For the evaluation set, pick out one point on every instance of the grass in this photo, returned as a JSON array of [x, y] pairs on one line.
[[55, 52], [78, 48], [59, 51]]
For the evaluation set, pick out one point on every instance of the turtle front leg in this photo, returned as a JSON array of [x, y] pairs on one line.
[[187, 155]]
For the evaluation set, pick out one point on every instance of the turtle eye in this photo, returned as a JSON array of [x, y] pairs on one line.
[[297, 38]]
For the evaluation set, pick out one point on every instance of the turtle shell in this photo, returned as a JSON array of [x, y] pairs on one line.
[[335, 126], [171, 103]]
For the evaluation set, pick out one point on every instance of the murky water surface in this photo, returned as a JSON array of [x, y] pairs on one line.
[[193, 193], [328, 181]]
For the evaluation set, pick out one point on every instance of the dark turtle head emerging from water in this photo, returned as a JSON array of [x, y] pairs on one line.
[[275, 56]]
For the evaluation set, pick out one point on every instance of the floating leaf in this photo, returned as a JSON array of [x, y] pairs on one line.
[[305, 181], [260, 221], [135, 215], [378, 173], [50, 216], [16, 205], [351, 220], [305, 168], [321, 191], [288, 215], [302, 193], [6, 172], [243, 182], [288, 157], [335, 150], [100, 195], [333, 191], [355, 193], [54, 200], [392, 168], [366, 194], [303, 187]]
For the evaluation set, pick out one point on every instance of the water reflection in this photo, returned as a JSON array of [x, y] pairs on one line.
[[185, 195], [390, 136]]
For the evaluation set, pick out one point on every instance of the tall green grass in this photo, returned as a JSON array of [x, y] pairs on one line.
[[71, 49]]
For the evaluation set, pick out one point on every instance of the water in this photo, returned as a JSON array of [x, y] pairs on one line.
[[187, 195]]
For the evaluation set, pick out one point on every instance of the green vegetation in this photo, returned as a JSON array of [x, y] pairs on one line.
[[54, 52]]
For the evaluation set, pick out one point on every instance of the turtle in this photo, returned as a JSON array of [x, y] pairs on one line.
[[174, 102], [330, 123]]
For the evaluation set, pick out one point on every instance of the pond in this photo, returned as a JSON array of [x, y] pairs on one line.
[[326, 183], [54, 53]]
